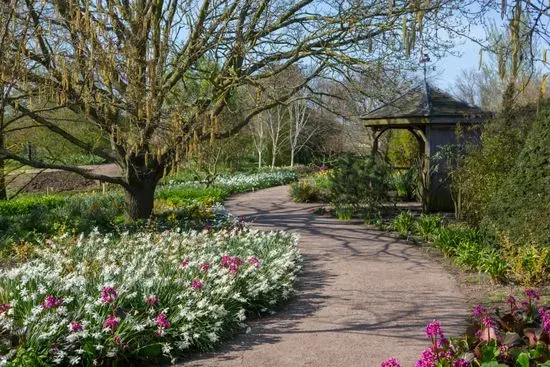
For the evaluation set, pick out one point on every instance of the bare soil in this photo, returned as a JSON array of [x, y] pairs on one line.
[[44, 181]]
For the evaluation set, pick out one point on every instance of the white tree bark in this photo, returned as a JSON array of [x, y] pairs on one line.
[[275, 123], [259, 136], [299, 118]]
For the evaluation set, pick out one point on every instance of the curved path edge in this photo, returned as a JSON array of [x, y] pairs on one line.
[[362, 297]]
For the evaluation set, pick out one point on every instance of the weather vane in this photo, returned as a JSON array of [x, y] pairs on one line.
[[424, 60]]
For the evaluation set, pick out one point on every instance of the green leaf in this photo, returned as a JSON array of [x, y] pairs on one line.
[[493, 364], [523, 360]]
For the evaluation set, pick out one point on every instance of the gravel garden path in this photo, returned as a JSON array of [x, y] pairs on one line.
[[362, 297]]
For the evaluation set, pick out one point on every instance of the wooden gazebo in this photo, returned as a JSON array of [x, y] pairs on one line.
[[432, 116]]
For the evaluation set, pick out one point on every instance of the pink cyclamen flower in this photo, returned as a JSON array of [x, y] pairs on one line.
[[111, 322], [205, 266], [479, 311], [151, 300], [253, 260], [532, 294], [162, 321], [4, 307], [196, 284], [108, 294], [392, 362], [51, 302], [237, 260], [433, 329], [184, 263], [75, 326]]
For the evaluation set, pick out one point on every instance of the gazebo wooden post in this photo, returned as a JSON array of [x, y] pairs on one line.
[[431, 115]]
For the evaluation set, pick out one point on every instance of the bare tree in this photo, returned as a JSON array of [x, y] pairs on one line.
[[259, 136], [298, 136], [122, 64], [276, 119]]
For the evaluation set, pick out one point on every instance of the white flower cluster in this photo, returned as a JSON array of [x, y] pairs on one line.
[[242, 182], [245, 182], [92, 299]]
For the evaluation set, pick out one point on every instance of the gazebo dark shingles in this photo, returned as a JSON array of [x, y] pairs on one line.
[[424, 101]]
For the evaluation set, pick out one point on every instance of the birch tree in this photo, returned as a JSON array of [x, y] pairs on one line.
[[298, 135], [118, 63], [259, 137], [276, 120]]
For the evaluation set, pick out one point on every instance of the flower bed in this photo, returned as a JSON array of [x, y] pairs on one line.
[[104, 299], [520, 337]]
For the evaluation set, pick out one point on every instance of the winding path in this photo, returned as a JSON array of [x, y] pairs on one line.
[[363, 296]]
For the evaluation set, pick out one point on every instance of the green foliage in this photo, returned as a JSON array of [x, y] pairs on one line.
[[405, 183], [313, 189], [360, 181], [403, 148], [468, 247], [428, 225], [487, 165], [344, 212], [403, 224], [183, 204], [521, 205]]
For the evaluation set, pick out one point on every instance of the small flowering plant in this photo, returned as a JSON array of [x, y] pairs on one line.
[[105, 299], [519, 338]]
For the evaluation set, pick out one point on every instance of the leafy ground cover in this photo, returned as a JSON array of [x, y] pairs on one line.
[[104, 299], [476, 250], [182, 203], [519, 337]]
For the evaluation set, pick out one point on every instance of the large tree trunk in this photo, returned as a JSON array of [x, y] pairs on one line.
[[139, 200], [140, 190]]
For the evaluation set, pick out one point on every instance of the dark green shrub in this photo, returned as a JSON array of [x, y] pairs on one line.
[[521, 207], [487, 165], [360, 181]]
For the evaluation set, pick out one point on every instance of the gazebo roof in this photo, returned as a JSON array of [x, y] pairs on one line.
[[424, 104]]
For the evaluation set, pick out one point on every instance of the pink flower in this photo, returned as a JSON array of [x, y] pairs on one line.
[[487, 322], [546, 324], [111, 322], [433, 329], [117, 340], [427, 359], [237, 260], [108, 294], [479, 311], [75, 326], [225, 261], [196, 284], [253, 260], [392, 362], [184, 263], [461, 363], [151, 300], [4, 307], [51, 302], [532, 294], [162, 321], [205, 266]]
